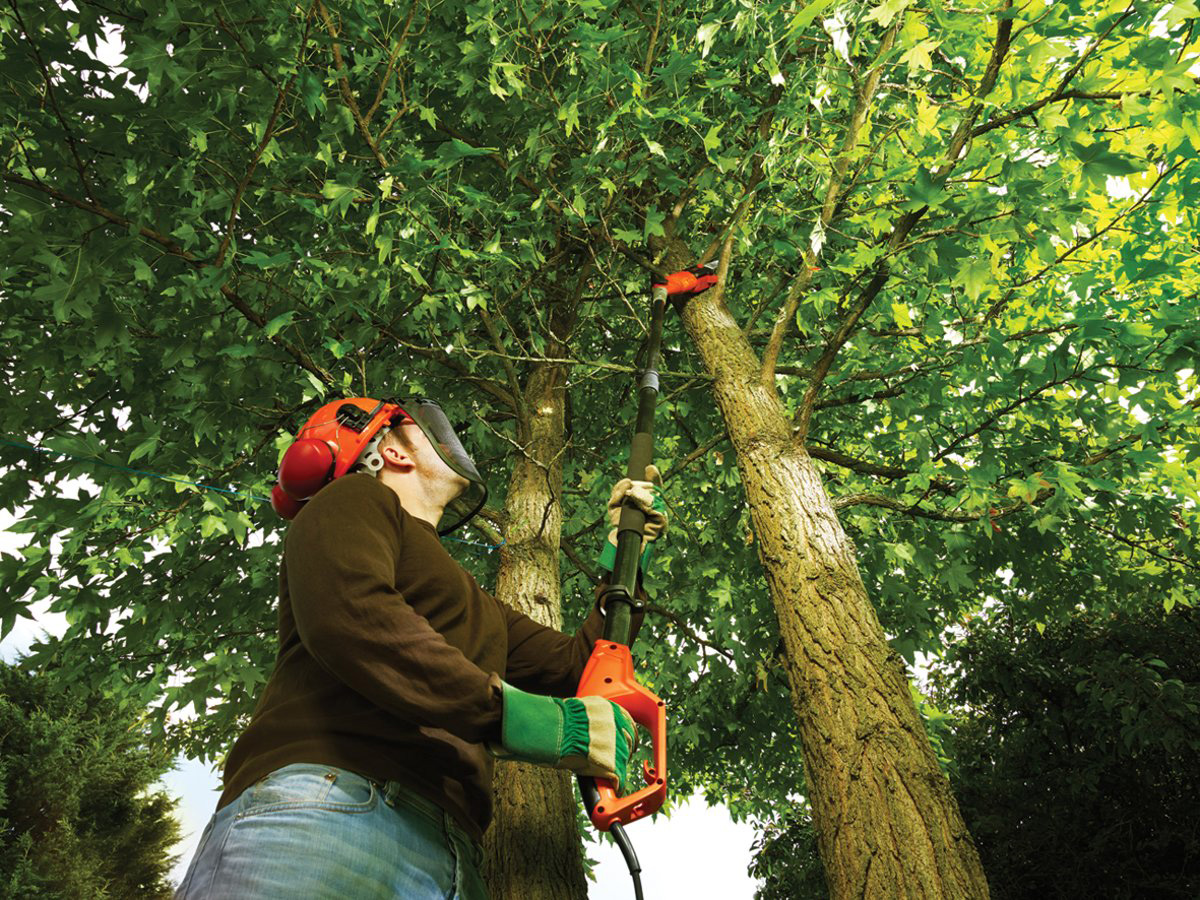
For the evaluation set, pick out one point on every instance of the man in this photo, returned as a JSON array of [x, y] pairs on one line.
[[365, 771]]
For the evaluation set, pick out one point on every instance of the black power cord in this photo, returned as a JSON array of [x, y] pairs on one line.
[[631, 860]]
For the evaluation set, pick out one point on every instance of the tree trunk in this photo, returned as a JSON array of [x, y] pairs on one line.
[[887, 824], [532, 848]]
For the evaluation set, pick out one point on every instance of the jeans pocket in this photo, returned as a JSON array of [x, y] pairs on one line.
[[304, 786]]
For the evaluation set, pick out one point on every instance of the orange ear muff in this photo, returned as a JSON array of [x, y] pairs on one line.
[[288, 507], [306, 467]]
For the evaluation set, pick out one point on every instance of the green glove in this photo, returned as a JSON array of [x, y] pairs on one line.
[[645, 495], [585, 735]]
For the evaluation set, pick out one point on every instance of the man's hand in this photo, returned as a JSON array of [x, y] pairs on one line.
[[585, 735], [647, 497]]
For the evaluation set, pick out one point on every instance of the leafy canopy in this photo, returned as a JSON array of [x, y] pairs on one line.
[[260, 207]]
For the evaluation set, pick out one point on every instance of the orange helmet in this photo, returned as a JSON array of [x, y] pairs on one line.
[[337, 435]]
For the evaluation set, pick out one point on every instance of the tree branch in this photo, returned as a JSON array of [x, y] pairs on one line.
[[50, 95], [446, 361], [1031, 108], [867, 499], [1142, 546], [514, 383], [686, 629], [1061, 93], [858, 118], [174, 249], [268, 135], [344, 85], [1005, 410], [900, 232], [600, 233], [700, 452], [391, 63], [998, 307]]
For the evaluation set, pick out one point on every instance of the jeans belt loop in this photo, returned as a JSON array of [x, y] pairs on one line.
[[390, 790]]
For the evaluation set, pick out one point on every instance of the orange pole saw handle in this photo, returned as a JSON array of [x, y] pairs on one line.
[[609, 674]]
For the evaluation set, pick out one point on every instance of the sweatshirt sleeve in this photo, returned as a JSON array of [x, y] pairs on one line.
[[545, 661], [340, 558]]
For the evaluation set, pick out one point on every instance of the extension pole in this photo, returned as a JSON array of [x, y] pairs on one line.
[[632, 524]]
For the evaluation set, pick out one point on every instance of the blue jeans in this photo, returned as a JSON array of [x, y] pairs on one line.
[[312, 831]]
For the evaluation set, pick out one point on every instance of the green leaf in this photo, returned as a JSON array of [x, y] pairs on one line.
[[918, 57], [975, 275], [278, 323], [805, 17], [926, 190], [339, 195], [712, 140], [145, 448], [142, 272], [704, 37], [568, 114], [262, 261], [886, 11], [455, 149], [654, 223]]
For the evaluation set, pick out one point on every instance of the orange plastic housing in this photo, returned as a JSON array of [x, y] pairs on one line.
[[609, 674]]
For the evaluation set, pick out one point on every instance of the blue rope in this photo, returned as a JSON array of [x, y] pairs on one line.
[[207, 487]]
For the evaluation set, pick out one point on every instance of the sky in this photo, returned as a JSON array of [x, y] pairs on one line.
[[667, 848]]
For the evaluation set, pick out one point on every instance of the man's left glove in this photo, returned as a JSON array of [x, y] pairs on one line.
[[585, 735], [648, 498]]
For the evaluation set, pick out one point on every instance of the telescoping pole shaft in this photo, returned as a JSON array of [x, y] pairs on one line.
[[617, 622]]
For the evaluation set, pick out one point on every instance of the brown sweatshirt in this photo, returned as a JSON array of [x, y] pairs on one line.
[[390, 657]]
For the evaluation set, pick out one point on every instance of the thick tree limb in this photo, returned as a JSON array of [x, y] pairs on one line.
[[858, 118], [825, 362]]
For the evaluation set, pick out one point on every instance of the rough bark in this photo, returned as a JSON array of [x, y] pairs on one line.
[[887, 824], [532, 848]]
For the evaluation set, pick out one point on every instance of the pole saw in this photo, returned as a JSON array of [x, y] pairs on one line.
[[609, 670]]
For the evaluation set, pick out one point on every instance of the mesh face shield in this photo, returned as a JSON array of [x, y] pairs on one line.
[[433, 422]]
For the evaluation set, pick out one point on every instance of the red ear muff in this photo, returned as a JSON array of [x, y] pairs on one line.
[[306, 467], [286, 506]]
